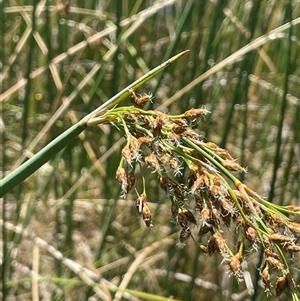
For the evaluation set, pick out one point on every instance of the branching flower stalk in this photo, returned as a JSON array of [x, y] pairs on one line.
[[211, 197]]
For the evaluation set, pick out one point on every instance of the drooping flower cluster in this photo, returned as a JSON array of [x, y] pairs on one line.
[[211, 198]]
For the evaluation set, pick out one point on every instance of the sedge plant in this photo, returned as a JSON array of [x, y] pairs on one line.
[[199, 177]]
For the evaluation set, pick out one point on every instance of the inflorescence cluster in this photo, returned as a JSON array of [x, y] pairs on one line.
[[167, 144]]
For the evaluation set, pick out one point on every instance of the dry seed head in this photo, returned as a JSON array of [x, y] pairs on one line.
[[178, 192], [186, 215], [235, 264], [221, 244], [205, 228], [211, 145], [175, 165], [212, 246], [294, 227], [179, 129], [232, 165], [205, 215], [218, 181], [165, 158], [280, 238], [191, 133], [277, 220], [291, 248], [126, 153], [270, 253], [293, 208], [184, 234], [201, 183], [265, 275], [228, 211], [152, 161], [134, 146], [121, 175], [195, 113], [217, 192], [130, 181], [146, 214], [203, 248], [224, 154], [174, 138], [274, 263], [144, 140], [215, 217], [126, 179], [157, 124], [140, 201], [210, 217], [226, 218], [250, 233], [139, 101], [281, 285]]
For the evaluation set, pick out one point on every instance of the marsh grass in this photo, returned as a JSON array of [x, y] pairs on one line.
[[66, 234]]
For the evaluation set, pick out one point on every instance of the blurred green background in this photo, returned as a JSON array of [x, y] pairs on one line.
[[67, 235]]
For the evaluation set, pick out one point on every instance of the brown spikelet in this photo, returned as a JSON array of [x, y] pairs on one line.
[[211, 145], [221, 244], [232, 165], [281, 285], [152, 161], [224, 154], [126, 153], [144, 140], [205, 228], [205, 215], [293, 208], [140, 201], [146, 214], [235, 263], [186, 215], [179, 126], [184, 234], [250, 233], [279, 238], [212, 246], [139, 101], [134, 145], [228, 211], [126, 179], [203, 248], [174, 211], [291, 248], [130, 181], [201, 183], [275, 263], [195, 113], [157, 124], [270, 253], [265, 275], [121, 175], [294, 227]]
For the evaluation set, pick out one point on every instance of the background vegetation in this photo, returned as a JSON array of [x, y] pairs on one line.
[[66, 234]]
